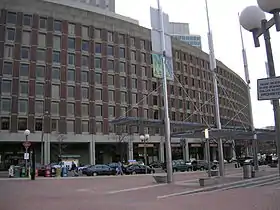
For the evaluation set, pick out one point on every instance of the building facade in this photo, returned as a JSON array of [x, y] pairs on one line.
[[65, 73], [103, 4], [181, 31]]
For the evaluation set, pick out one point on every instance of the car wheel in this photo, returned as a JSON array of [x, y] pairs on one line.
[[189, 169], [133, 173], [94, 174]]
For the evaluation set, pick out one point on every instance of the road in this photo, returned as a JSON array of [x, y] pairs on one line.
[[119, 193]]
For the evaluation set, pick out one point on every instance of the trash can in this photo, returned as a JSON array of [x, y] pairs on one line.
[[247, 171], [64, 171], [23, 172], [58, 172]]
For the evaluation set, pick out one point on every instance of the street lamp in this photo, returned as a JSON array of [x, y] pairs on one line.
[[42, 138], [253, 19], [206, 136], [144, 139], [26, 134]]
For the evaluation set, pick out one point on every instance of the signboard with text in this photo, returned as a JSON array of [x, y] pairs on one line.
[[268, 88]]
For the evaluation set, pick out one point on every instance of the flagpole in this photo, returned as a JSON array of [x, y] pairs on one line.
[[247, 78], [165, 95], [216, 93]]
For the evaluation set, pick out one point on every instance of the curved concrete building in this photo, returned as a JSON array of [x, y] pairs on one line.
[[68, 71]]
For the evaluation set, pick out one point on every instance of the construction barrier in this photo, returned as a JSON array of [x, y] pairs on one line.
[[36, 172]]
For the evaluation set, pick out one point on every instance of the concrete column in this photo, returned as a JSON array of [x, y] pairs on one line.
[[233, 149], [214, 153], [47, 149], [186, 150], [92, 151], [161, 152], [130, 149]]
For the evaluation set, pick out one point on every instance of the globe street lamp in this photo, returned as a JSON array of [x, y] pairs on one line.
[[144, 139], [26, 134], [253, 19]]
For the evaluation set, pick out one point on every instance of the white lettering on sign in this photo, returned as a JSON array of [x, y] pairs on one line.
[[269, 88]]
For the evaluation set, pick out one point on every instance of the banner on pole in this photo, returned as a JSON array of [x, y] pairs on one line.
[[158, 66]]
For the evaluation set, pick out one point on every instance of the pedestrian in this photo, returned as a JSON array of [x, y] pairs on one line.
[[74, 169], [120, 168]]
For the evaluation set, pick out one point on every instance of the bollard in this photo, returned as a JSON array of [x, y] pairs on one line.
[[253, 172], [64, 172], [247, 171], [58, 172]]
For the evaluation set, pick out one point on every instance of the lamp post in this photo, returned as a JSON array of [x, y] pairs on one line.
[[253, 19], [26, 134], [206, 136], [42, 138], [144, 139]]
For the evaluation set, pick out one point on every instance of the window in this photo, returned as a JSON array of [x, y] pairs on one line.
[[110, 36], [6, 105], [110, 50], [110, 65], [71, 29], [85, 60], [41, 55], [43, 23], [111, 95], [6, 86], [144, 71], [22, 106], [134, 99], [11, 18], [7, 68], [111, 80], [123, 97], [142, 44], [71, 59], [85, 46], [97, 48], [84, 93], [133, 69], [111, 111], [134, 83], [22, 124], [97, 33], [145, 113], [5, 123], [56, 42], [55, 91], [98, 111], [10, 34], [54, 125], [133, 55], [9, 51], [85, 127], [24, 70], [123, 82], [41, 40], [71, 43], [40, 72], [24, 53], [122, 67], [98, 94], [71, 75], [99, 127], [85, 111], [55, 108], [39, 90], [122, 53], [85, 33], [143, 58], [70, 109], [57, 26], [27, 20], [84, 76], [55, 73], [97, 63], [71, 92], [23, 88], [98, 78], [39, 107], [123, 111], [132, 41], [70, 125], [56, 57], [121, 39], [25, 38], [38, 124]]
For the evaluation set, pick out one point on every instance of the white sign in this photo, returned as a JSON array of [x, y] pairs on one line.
[[269, 88], [26, 156]]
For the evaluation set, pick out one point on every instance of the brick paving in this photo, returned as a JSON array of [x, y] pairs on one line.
[[119, 193]]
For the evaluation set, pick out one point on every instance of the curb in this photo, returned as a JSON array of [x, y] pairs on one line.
[[229, 186]]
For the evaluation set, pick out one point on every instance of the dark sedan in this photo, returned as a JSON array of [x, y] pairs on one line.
[[138, 169], [97, 170]]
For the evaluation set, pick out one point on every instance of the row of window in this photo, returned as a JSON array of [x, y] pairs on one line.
[[85, 33]]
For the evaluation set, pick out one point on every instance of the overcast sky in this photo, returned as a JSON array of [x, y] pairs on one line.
[[227, 43]]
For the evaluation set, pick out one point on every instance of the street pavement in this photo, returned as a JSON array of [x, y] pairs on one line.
[[117, 192]]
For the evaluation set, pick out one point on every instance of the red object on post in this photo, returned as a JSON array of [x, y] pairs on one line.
[[48, 171], [36, 172]]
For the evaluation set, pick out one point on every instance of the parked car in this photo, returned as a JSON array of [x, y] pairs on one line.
[[179, 165], [97, 170], [156, 164], [81, 168], [138, 169], [202, 165]]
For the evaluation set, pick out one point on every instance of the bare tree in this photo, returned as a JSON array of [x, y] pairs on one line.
[[60, 138], [121, 136]]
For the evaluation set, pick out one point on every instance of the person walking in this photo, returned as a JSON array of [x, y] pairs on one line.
[[119, 169], [74, 169]]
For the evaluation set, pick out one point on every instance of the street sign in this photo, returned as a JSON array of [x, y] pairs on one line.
[[26, 156], [268, 88], [26, 144]]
